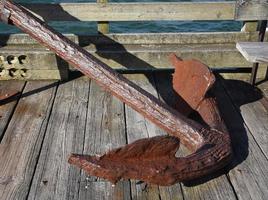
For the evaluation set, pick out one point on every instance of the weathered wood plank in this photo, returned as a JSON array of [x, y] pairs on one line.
[[43, 74], [134, 51], [103, 190], [264, 89], [218, 188], [244, 76], [28, 62], [135, 57], [248, 102], [19, 149], [249, 166], [103, 27], [105, 130], [134, 11], [7, 102], [7, 39], [263, 85], [255, 52], [138, 127], [264, 100], [54, 178], [251, 10], [28, 57], [139, 38], [215, 188], [146, 60], [250, 26], [157, 56]]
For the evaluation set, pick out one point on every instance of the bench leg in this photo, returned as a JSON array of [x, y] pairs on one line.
[[266, 74], [254, 73], [262, 30]]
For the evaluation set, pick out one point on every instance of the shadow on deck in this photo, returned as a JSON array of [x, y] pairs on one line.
[[43, 122]]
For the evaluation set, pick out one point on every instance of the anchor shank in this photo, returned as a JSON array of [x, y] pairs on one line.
[[189, 132]]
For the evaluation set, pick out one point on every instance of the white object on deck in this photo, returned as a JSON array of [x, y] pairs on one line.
[[255, 52]]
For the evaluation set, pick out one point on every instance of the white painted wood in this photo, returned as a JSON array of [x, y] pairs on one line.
[[255, 52]]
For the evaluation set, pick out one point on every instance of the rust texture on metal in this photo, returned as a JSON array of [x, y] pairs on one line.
[[4, 13], [211, 147], [153, 159], [191, 80]]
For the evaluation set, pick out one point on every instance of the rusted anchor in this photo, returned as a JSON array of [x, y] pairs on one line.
[[155, 157]]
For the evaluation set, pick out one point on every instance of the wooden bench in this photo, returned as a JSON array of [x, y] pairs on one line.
[[255, 52]]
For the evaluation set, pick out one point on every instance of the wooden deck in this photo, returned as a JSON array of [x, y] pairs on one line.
[[46, 121]]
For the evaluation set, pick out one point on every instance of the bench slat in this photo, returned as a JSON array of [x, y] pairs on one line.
[[255, 52]]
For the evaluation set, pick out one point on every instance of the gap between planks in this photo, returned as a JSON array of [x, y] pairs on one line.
[[250, 102], [20, 146], [10, 92], [216, 188], [138, 127], [103, 187], [249, 166]]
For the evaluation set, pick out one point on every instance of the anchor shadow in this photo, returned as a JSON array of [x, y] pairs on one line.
[[237, 131], [229, 106]]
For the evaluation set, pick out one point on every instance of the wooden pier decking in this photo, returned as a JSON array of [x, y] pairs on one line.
[[46, 120]]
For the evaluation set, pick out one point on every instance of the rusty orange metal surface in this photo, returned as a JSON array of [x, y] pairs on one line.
[[151, 160]]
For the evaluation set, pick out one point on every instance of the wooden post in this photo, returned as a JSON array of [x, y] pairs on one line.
[[250, 26], [103, 26]]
